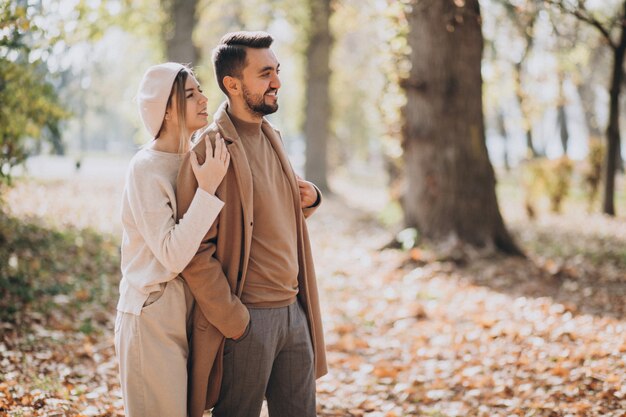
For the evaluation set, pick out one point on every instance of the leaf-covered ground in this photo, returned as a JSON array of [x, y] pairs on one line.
[[408, 333]]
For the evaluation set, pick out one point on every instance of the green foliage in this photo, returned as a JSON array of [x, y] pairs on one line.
[[86, 327], [533, 180], [391, 214], [30, 105], [592, 174], [44, 269], [408, 238], [558, 182], [545, 177]]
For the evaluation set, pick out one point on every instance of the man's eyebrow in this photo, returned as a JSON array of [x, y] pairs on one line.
[[269, 68]]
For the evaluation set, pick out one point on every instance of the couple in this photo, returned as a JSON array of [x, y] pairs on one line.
[[218, 300]]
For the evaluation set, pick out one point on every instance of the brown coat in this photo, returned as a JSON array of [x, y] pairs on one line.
[[217, 272]]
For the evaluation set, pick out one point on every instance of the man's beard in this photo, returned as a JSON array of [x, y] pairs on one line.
[[256, 103]]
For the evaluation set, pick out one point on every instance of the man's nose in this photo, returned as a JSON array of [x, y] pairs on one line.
[[275, 83]]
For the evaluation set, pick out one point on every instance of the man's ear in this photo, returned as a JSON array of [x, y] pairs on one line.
[[233, 85]]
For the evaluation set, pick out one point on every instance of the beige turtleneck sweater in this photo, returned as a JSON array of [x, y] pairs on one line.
[[272, 277]]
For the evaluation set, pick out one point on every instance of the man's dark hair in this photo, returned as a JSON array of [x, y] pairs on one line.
[[229, 56]]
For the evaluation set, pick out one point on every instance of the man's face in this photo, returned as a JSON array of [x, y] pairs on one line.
[[260, 81]]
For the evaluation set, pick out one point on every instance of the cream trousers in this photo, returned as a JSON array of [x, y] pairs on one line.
[[152, 351]]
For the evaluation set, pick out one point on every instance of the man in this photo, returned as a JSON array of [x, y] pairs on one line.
[[257, 329]]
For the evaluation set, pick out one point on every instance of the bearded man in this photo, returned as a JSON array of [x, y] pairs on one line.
[[257, 330]]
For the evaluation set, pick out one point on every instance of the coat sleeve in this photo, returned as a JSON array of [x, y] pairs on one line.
[[308, 211], [204, 273]]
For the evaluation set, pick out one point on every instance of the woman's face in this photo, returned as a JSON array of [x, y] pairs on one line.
[[196, 106]]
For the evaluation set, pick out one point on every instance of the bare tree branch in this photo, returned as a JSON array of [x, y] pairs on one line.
[[525, 25], [582, 14]]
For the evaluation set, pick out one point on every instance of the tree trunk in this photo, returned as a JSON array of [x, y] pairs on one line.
[[612, 133], [317, 113], [588, 99], [451, 183], [587, 93], [505, 139], [526, 122], [562, 116], [180, 24], [563, 132]]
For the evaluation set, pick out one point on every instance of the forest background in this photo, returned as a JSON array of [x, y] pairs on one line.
[[472, 248]]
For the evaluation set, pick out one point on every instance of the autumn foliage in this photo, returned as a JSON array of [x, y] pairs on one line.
[[408, 333]]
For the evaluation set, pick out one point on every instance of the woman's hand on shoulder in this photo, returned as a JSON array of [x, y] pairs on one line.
[[211, 173]]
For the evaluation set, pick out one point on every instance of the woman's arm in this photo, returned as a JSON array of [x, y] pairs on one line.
[[205, 274], [150, 198]]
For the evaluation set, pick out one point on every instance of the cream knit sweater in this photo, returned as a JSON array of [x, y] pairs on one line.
[[155, 248]]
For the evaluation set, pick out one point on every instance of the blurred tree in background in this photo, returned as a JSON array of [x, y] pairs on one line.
[[30, 110], [179, 26], [545, 74], [451, 184], [522, 18], [318, 104], [611, 24]]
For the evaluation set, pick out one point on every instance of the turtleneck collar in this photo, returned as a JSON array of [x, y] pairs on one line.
[[245, 128]]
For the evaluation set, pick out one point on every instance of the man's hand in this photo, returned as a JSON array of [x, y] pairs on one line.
[[308, 193]]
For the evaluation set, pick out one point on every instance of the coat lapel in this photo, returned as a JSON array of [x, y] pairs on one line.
[[243, 174], [277, 144]]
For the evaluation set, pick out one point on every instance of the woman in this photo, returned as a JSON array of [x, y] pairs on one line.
[[155, 303]]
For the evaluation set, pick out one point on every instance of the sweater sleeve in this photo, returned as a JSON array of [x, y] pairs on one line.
[[172, 244], [204, 274]]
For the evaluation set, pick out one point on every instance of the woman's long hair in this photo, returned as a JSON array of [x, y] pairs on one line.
[[178, 94]]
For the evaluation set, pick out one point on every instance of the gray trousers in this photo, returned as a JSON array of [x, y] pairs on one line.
[[273, 359]]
